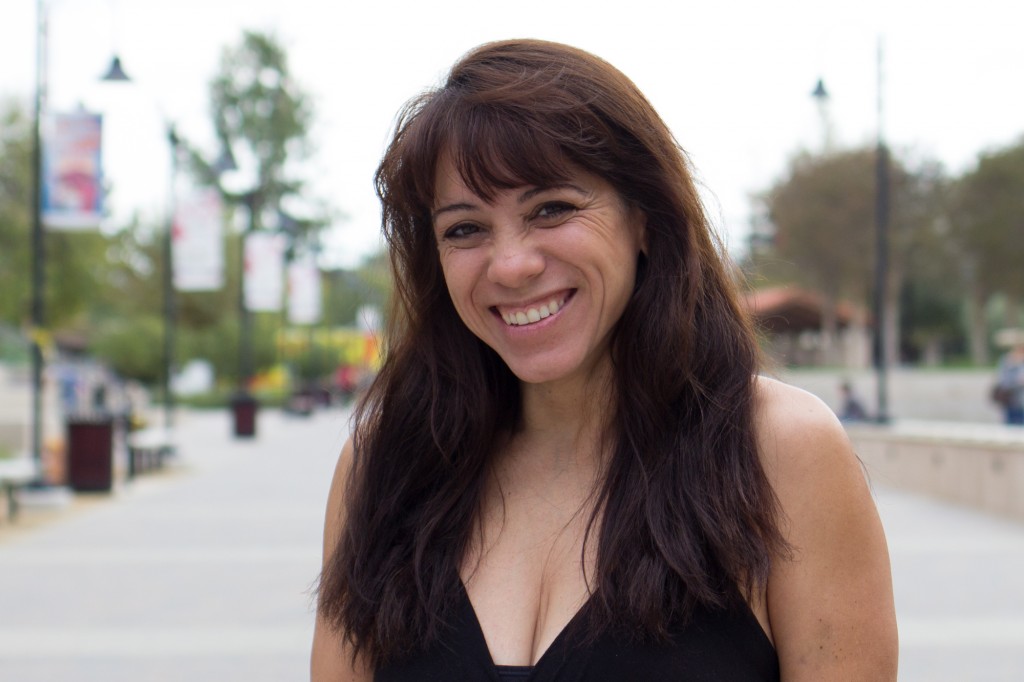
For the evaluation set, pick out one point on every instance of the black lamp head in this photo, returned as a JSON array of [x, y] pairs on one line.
[[115, 72], [819, 90]]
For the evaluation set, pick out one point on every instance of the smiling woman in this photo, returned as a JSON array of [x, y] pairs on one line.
[[568, 467], [539, 274]]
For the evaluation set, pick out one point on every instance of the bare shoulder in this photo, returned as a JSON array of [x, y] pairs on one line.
[[830, 602], [331, 658], [793, 425]]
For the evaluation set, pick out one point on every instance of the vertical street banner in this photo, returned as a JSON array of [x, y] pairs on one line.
[[264, 271], [72, 182], [304, 291], [197, 239]]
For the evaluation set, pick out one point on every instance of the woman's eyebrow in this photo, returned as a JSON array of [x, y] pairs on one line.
[[523, 198], [531, 193], [461, 206]]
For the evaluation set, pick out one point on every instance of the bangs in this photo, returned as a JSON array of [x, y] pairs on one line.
[[495, 148]]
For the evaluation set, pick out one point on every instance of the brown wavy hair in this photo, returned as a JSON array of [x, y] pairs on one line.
[[686, 512]]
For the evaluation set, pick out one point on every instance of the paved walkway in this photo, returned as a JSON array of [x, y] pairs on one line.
[[197, 574], [203, 573]]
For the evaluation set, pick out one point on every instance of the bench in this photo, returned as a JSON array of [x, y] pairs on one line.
[[147, 450], [15, 474]]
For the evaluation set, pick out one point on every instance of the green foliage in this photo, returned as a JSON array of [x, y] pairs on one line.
[[346, 291], [131, 347], [823, 212], [76, 263], [15, 208], [987, 208], [76, 275], [263, 117]]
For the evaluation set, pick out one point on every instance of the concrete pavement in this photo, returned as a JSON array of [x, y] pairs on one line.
[[958, 576], [203, 572], [200, 573]]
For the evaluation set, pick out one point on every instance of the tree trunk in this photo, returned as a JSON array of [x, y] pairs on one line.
[[1012, 315], [829, 331], [977, 333], [892, 314]]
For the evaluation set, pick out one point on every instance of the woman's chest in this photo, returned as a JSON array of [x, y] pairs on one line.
[[526, 576]]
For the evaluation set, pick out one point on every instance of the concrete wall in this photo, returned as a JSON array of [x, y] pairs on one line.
[[941, 395], [980, 468]]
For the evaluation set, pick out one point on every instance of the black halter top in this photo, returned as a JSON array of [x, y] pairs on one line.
[[726, 645]]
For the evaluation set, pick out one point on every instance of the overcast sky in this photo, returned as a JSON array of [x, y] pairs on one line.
[[732, 78]]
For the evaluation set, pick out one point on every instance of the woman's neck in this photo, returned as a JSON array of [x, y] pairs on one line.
[[566, 422]]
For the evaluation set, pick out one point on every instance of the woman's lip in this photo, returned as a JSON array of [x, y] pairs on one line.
[[521, 315]]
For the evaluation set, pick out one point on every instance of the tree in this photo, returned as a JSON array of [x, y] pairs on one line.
[[346, 291], [76, 262], [987, 212], [823, 213], [15, 218], [262, 118]]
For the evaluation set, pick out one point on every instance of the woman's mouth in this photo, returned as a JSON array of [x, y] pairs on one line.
[[521, 316]]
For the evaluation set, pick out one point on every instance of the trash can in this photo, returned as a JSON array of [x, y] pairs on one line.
[[90, 448], [243, 411]]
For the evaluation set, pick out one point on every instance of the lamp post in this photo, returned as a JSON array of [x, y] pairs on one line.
[[881, 261], [38, 241], [244, 406], [38, 318], [116, 74], [821, 96], [170, 309]]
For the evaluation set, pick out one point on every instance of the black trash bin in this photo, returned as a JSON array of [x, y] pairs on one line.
[[243, 409], [90, 448]]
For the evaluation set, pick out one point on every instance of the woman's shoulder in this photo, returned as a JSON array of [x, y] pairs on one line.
[[794, 427], [830, 601]]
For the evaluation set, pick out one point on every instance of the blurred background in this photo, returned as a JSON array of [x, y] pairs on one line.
[[188, 224], [228, 120]]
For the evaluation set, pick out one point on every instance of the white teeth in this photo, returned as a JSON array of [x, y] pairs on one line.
[[531, 315]]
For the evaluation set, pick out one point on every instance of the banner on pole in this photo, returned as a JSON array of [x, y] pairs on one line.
[[72, 182], [304, 291], [264, 271], [198, 241]]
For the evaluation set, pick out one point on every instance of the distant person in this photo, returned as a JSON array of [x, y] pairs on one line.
[[852, 409], [68, 379], [1009, 391]]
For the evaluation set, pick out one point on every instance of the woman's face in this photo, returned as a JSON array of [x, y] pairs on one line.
[[539, 274]]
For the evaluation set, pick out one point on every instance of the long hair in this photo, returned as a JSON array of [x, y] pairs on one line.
[[684, 514]]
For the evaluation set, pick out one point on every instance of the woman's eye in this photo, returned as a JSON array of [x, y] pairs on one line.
[[553, 210], [460, 231]]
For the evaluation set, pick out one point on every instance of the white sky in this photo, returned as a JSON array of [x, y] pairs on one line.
[[732, 78]]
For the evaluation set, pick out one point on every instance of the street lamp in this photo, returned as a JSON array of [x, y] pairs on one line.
[[882, 188], [38, 243], [821, 96], [115, 73], [38, 254]]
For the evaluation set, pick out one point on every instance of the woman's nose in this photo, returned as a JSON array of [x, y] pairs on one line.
[[514, 261]]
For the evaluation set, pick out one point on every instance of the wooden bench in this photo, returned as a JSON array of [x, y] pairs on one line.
[[148, 449], [15, 474]]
